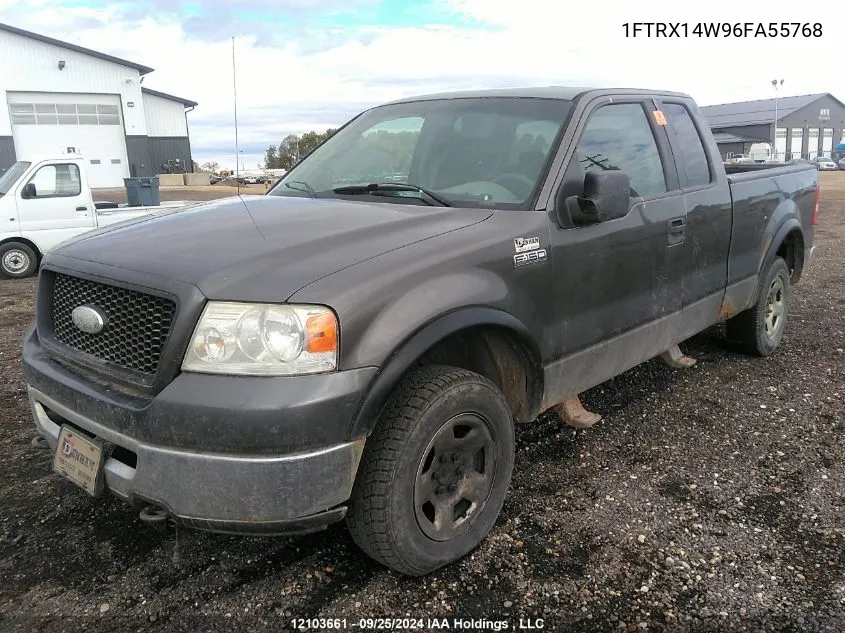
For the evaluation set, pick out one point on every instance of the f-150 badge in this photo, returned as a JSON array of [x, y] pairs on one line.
[[532, 257], [523, 244]]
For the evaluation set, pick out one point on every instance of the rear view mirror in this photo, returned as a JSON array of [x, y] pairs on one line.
[[29, 191], [607, 196]]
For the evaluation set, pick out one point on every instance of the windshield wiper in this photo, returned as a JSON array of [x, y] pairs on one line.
[[375, 187], [303, 186]]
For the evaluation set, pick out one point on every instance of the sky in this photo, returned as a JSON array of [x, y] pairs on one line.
[[313, 64]]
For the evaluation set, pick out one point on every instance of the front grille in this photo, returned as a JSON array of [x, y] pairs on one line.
[[136, 328]]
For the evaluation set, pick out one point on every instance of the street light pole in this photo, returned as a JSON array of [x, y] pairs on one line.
[[775, 130]]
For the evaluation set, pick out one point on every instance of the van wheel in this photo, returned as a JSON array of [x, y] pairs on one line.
[[17, 260], [435, 472], [760, 329]]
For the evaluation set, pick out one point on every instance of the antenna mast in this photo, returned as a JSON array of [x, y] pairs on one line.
[[235, 95]]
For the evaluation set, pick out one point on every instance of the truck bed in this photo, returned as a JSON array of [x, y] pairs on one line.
[[764, 196]]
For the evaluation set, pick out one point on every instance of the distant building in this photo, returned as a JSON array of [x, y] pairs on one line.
[[807, 126], [58, 96]]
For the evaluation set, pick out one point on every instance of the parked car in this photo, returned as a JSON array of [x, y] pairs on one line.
[[47, 201], [841, 163], [825, 164], [739, 159], [363, 351]]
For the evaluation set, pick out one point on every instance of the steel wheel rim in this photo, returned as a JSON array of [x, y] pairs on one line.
[[455, 477], [15, 261], [775, 308]]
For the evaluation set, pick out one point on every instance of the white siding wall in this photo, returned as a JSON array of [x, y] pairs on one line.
[[164, 117], [28, 65]]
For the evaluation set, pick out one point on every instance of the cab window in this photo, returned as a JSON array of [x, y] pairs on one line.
[[56, 181], [618, 137]]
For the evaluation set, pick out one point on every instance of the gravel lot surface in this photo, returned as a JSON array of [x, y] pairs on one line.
[[709, 499]]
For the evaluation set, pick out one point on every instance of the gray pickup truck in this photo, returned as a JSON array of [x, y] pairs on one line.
[[360, 342]]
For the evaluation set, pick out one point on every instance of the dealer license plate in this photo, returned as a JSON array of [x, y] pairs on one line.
[[80, 460]]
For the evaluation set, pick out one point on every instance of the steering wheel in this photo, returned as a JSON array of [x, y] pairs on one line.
[[523, 184]]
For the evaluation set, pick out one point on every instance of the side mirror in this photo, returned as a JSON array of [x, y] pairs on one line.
[[607, 196], [29, 191]]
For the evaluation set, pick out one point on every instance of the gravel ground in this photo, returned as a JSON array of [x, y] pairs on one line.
[[709, 499]]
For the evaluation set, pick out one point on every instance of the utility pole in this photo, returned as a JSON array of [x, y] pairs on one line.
[[775, 130]]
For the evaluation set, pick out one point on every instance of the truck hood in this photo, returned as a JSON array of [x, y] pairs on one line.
[[264, 248]]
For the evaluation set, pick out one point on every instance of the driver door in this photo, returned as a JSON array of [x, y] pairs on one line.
[[617, 284]]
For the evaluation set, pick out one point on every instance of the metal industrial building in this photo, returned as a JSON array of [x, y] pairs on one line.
[[60, 96], [807, 126]]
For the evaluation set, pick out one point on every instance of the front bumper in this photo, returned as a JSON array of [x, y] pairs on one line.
[[225, 483]]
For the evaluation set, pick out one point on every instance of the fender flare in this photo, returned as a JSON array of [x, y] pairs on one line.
[[410, 350], [788, 226]]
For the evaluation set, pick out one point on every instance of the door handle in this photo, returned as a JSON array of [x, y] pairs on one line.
[[81, 208], [676, 231]]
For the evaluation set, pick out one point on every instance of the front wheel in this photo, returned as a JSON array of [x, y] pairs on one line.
[[760, 329], [17, 260], [435, 472]]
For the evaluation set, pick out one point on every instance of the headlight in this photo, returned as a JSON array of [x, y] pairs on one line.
[[263, 339]]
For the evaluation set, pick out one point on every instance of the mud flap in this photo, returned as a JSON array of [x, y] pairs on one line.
[[674, 357], [575, 415]]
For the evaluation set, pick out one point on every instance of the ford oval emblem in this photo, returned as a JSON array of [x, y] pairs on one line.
[[88, 319]]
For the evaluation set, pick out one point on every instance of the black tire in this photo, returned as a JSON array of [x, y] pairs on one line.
[[756, 331], [406, 467], [17, 260]]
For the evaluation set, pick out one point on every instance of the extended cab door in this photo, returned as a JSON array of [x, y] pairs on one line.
[[53, 205], [707, 199], [617, 283]]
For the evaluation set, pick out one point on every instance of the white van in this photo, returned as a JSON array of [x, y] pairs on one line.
[[44, 203]]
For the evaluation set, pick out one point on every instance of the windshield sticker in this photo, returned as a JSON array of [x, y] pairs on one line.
[[659, 118], [522, 244]]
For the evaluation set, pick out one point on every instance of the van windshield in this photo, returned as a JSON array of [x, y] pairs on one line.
[[463, 151], [11, 175]]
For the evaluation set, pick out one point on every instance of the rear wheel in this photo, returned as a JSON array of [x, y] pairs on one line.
[[435, 472], [17, 260], [760, 329]]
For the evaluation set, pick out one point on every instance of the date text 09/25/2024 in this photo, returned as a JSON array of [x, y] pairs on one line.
[[421, 624], [723, 29]]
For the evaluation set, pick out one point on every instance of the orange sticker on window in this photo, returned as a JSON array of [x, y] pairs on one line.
[[659, 118]]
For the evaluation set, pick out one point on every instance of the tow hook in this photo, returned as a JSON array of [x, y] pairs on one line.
[[40, 442], [154, 515]]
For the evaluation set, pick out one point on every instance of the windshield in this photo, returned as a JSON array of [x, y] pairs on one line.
[[464, 151], [11, 175]]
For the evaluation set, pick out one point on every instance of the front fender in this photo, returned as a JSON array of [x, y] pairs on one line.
[[413, 347]]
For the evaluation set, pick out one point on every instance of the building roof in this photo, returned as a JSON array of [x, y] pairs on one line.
[[164, 95], [727, 137], [143, 70], [757, 112]]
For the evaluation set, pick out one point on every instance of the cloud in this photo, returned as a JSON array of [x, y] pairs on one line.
[[312, 64]]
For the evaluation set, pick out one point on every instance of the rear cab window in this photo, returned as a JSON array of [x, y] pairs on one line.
[[688, 146]]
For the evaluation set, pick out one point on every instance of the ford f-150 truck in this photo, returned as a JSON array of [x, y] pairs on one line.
[[359, 343]]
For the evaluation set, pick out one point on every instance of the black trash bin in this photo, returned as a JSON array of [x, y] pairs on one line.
[[142, 192]]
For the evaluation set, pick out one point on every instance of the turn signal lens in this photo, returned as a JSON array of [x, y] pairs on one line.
[[321, 333]]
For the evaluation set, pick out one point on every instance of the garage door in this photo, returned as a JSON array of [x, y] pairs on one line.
[[47, 124]]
